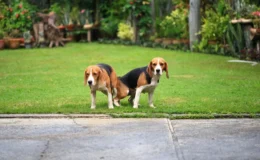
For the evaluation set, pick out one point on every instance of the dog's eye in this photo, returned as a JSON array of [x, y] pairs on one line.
[[94, 74], [154, 64], [161, 64], [87, 74]]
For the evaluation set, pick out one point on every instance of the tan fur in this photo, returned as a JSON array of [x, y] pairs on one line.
[[141, 80], [150, 69], [122, 90], [113, 78], [104, 77]]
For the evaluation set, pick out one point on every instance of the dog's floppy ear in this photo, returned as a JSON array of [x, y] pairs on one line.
[[100, 73], [150, 69], [166, 69], [85, 78]]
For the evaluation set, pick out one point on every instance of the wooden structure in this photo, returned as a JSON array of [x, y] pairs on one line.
[[251, 34], [255, 36]]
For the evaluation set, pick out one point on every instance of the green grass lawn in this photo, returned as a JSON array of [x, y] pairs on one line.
[[51, 81]]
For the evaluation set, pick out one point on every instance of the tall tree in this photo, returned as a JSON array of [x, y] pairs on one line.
[[194, 22]]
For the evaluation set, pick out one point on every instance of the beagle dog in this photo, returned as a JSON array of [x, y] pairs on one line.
[[101, 77], [141, 80]]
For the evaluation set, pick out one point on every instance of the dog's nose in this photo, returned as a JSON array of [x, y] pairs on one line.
[[90, 82], [157, 70]]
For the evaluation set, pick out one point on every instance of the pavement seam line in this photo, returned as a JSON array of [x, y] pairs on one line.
[[73, 119], [175, 142], [45, 149]]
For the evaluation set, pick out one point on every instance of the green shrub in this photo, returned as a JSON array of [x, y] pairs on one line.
[[214, 25], [1, 34], [109, 26], [56, 8], [18, 15], [74, 15], [176, 24], [125, 32], [141, 10]]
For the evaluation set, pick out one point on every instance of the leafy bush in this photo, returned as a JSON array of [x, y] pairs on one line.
[[17, 16], [74, 15], [235, 39], [56, 8], [109, 26], [176, 24], [245, 10], [125, 32], [141, 11], [214, 25], [1, 34]]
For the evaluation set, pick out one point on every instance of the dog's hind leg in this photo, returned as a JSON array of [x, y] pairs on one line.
[[132, 96]]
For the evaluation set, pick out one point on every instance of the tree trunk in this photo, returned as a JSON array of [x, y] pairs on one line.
[[194, 22], [136, 30], [237, 5], [153, 16], [97, 10]]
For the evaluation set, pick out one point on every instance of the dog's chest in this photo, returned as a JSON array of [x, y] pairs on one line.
[[150, 87], [100, 87]]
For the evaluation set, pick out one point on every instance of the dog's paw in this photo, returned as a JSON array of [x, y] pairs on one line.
[[152, 106], [116, 103], [110, 107], [135, 107]]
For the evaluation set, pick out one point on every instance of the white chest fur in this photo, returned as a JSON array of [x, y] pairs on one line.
[[150, 87], [100, 87]]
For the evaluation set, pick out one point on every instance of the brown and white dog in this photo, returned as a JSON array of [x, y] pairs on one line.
[[141, 80], [101, 77]]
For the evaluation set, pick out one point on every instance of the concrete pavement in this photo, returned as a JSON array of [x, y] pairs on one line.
[[142, 139]]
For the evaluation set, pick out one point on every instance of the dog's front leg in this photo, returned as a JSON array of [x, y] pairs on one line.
[[150, 99], [137, 96], [93, 99]]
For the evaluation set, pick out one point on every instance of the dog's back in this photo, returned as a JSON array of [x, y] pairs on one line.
[[126, 85], [112, 75], [131, 78], [106, 67]]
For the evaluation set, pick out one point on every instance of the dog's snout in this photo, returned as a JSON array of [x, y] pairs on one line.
[[90, 82], [157, 70]]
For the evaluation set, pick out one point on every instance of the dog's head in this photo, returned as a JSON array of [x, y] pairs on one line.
[[91, 75], [157, 66]]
